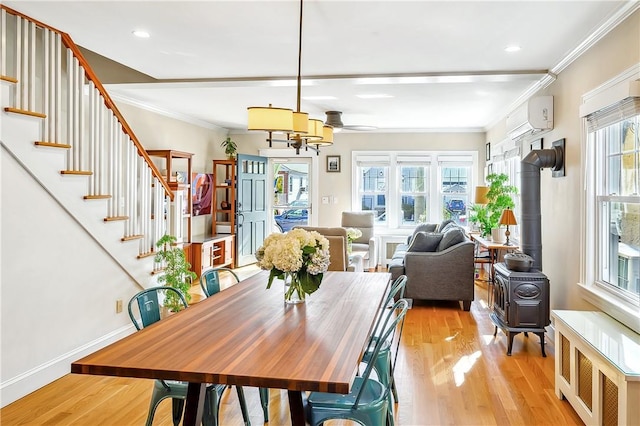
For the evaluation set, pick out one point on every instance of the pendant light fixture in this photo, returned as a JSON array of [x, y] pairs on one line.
[[301, 131]]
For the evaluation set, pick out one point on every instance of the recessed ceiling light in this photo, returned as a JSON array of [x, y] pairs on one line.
[[512, 49], [141, 34], [374, 96]]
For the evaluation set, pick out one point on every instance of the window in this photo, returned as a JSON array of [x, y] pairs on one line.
[[611, 274], [509, 163], [413, 194], [373, 186], [454, 191], [406, 188], [617, 205]]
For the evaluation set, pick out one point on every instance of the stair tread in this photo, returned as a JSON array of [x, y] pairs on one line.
[[25, 112], [114, 218], [52, 144]]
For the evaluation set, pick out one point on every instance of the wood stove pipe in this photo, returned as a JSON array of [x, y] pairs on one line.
[[531, 226]]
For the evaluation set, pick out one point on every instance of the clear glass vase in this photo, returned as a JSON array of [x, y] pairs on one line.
[[293, 293]]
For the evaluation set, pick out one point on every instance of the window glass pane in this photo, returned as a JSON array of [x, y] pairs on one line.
[[413, 194], [413, 178], [373, 179], [291, 196], [455, 196], [373, 189], [414, 209], [621, 254], [623, 154]]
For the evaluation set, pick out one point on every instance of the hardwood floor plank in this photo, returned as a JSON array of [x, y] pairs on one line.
[[450, 370]]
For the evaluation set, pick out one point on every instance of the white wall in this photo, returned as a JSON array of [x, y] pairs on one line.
[[58, 288], [157, 131], [561, 203]]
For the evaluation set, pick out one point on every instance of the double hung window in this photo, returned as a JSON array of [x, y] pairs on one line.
[[373, 185], [616, 191], [414, 191], [611, 271]]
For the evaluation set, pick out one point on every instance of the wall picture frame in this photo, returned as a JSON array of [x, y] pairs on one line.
[[487, 151], [333, 164]]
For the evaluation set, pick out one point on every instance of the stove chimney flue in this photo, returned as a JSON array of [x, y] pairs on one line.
[[531, 226]]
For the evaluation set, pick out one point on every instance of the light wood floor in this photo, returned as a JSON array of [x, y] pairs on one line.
[[451, 370]]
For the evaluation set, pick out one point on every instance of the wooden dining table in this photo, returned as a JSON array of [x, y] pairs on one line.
[[246, 335]]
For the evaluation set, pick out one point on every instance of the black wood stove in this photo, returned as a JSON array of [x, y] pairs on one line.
[[520, 303]]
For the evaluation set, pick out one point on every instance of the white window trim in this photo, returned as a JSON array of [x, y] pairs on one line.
[[392, 159], [627, 313]]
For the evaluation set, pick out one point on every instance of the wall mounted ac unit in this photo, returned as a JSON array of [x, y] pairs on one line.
[[532, 117]]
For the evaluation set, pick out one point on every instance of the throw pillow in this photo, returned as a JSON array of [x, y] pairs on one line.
[[425, 241], [451, 238], [444, 224], [423, 227]]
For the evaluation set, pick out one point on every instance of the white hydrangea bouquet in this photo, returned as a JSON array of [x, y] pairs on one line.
[[352, 234], [299, 257]]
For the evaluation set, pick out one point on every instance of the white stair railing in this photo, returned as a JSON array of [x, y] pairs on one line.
[[54, 82]]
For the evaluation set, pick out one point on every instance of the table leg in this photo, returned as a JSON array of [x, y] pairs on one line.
[[296, 408], [491, 285], [194, 405]]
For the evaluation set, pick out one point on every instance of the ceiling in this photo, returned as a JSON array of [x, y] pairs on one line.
[[441, 65]]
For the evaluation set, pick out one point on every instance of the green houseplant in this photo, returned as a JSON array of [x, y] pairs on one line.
[[499, 198], [230, 147], [177, 271]]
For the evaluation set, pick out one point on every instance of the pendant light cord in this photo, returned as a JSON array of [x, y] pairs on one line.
[[299, 57]]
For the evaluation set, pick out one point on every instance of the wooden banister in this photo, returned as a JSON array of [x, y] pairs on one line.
[[68, 42]]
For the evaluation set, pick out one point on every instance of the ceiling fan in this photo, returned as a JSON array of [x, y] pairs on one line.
[[334, 119]]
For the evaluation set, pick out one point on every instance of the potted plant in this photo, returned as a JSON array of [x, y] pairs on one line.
[[499, 198], [177, 271], [230, 148]]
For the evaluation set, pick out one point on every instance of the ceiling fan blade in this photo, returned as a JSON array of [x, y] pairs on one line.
[[334, 118], [360, 128]]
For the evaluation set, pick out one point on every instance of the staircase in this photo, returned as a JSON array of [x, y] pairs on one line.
[[61, 126], [81, 210]]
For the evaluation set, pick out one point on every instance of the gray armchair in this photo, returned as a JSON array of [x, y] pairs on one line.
[[364, 221]]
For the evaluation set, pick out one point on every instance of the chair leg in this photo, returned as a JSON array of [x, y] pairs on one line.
[[211, 408], [394, 391], [159, 393], [243, 406], [264, 401], [177, 405]]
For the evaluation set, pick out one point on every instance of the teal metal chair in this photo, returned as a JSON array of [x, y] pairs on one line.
[[385, 361], [210, 283], [149, 303], [210, 280], [368, 401]]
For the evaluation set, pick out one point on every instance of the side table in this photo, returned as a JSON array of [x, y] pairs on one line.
[[494, 255], [356, 261]]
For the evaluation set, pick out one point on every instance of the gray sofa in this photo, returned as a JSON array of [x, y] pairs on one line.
[[438, 263]]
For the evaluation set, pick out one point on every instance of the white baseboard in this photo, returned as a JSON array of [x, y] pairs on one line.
[[29, 381]]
